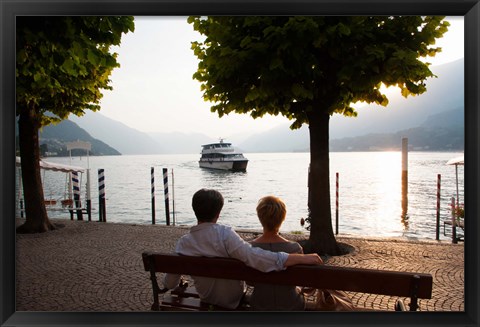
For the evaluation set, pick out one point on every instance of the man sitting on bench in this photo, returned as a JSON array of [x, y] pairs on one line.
[[210, 239]]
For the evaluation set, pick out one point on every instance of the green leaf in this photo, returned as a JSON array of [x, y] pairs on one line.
[[343, 29], [22, 56], [299, 92], [68, 67], [252, 95], [37, 77], [276, 63], [92, 57], [246, 42]]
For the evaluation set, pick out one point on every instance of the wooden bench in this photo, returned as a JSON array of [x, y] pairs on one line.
[[393, 283]]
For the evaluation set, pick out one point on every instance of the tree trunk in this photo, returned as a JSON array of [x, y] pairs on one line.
[[36, 214], [322, 239]]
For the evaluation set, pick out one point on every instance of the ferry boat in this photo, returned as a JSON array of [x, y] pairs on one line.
[[222, 156]]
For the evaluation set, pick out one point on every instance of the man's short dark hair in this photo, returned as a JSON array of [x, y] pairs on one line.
[[207, 204]]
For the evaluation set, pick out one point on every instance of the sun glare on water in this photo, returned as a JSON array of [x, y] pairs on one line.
[[388, 186], [378, 192]]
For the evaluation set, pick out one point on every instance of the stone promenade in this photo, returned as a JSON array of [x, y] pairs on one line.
[[92, 266]]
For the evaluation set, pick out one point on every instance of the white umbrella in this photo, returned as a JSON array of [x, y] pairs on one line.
[[456, 161], [55, 166]]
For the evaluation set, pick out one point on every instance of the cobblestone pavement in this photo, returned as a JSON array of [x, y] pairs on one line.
[[91, 266]]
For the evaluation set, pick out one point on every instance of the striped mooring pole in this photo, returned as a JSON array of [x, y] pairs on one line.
[[152, 187], [89, 198], [101, 196], [76, 195], [336, 203], [70, 194], [439, 178], [165, 190]]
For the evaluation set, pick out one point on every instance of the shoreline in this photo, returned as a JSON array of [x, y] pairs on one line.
[[295, 234]]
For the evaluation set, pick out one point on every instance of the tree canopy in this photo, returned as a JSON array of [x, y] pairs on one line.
[[268, 65], [63, 63], [309, 68]]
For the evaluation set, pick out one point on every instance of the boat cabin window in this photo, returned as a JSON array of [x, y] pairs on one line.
[[221, 155], [217, 146]]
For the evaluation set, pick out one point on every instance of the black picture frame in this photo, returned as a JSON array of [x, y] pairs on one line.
[[470, 9]]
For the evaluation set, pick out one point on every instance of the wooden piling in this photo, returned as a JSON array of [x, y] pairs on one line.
[[439, 178], [336, 203], [404, 176]]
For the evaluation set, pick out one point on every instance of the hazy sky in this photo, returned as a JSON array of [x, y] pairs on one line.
[[153, 90]]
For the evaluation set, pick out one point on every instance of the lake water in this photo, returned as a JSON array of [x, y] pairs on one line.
[[369, 190]]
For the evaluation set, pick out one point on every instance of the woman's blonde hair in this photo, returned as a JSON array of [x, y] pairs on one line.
[[271, 212]]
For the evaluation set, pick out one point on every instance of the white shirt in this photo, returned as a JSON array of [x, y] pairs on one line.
[[215, 240]]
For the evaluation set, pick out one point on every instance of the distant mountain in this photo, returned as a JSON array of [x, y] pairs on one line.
[[132, 141], [452, 119], [440, 132], [419, 139], [443, 94], [53, 139], [178, 142], [427, 110], [278, 139], [126, 139]]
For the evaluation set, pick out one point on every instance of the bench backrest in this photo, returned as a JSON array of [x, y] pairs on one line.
[[373, 281]]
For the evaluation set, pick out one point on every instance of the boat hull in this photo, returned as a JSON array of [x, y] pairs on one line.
[[232, 165]]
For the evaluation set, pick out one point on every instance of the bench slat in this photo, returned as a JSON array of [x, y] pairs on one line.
[[184, 302], [193, 304], [321, 276], [189, 291]]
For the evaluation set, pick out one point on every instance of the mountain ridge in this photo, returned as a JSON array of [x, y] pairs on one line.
[[53, 139], [440, 132], [443, 94]]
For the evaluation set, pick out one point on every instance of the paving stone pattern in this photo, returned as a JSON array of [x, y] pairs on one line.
[[92, 266]]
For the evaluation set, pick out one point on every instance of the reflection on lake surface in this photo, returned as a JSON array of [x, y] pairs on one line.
[[369, 192]]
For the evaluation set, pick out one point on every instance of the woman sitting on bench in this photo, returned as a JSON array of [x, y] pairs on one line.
[[271, 212], [210, 239]]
